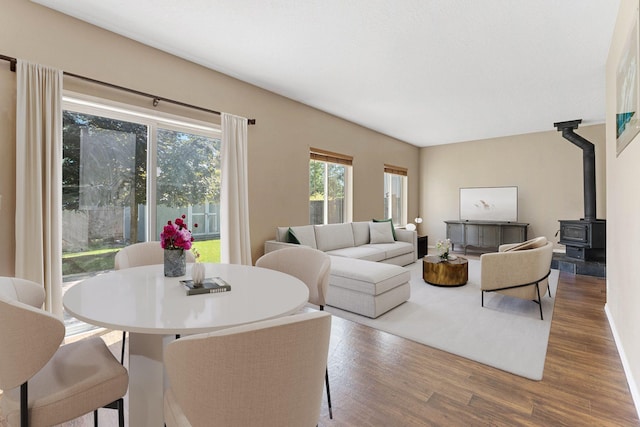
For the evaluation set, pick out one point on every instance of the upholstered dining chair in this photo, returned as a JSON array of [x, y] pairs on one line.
[[137, 255], [143, 253], [45, 383], [267, 373], [312, 267], [519, 270]]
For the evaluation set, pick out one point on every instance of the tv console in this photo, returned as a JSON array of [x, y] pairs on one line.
[[485, 236]]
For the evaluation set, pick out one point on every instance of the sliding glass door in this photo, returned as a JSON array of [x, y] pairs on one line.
[[188, 183], [125, 174]]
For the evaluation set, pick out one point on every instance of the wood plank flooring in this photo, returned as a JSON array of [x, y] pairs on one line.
[[381, 380], [378, 379]]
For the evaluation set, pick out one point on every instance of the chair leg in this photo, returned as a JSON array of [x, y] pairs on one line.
[[539, 300], [24, 405], [116, 404], [326, 381], [95, 418], [121, 412], [124, 338], [482, 296]]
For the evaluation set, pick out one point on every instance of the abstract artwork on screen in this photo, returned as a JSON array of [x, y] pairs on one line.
[[627, 87]]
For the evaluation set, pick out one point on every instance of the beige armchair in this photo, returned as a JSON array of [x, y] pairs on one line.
[[45, 383], [312, 267], [518, 270], [267, 373]]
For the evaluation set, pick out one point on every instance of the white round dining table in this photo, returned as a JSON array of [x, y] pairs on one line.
[[154, 308]]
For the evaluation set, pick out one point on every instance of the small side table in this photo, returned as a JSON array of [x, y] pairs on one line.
[[438, 272], [423, 246]]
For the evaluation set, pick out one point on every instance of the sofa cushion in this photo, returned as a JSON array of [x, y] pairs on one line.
[[360, 232], [390, 221], [304, 234], [392, 250], [366, 252], [380, 232], [538, 242], [333, 236]]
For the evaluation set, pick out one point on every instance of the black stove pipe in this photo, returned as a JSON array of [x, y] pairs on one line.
[[588, 164]]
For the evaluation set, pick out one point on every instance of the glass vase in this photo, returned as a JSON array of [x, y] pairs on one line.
[[175, 263]]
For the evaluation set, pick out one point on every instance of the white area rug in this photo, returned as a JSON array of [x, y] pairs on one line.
[[506, 334]]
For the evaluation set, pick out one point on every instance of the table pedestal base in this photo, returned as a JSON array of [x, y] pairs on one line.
[[147, 379]]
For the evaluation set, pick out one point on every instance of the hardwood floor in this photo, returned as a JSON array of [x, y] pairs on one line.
[[378, 379]]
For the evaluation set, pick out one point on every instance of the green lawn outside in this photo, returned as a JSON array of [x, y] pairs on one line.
[[102, 259], [209, 250]]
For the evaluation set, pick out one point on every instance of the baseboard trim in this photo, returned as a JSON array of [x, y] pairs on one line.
[[633, 386]]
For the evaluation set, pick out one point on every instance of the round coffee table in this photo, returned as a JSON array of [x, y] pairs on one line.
[[438, 272]]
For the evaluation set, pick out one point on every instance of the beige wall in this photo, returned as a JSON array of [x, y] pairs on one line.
[[623, 228], [546, 168], [278, 144]]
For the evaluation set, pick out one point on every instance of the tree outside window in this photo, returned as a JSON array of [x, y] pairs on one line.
[[106, 181], [327, 192]]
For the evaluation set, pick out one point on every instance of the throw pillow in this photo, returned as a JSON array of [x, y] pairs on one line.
[[538, 242], [390, 221], [379, 232], [291, 237]]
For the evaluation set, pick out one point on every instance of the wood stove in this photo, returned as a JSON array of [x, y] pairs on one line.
[[584, 238]]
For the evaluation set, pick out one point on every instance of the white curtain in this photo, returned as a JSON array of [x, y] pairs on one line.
[[234, 211], [39, 179]]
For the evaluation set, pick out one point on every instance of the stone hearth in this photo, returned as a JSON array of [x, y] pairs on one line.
[[567, 264]]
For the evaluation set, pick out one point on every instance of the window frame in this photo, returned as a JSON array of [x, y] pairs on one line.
[[390, 172], [87, 104], [328, 157]]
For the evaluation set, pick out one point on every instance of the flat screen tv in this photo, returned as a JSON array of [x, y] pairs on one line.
[[489, 204]]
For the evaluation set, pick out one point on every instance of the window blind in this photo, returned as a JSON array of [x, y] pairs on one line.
[[329, 157], [396, 170]]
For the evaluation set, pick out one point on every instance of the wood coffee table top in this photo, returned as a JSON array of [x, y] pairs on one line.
[[438, 272]]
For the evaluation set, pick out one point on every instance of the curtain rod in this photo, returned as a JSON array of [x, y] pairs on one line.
[[156, 99], [12, 62]]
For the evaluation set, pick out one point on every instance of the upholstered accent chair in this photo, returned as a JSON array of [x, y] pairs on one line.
[[518, 270], [143, 253], [267, 373], [310, 266], [45, 383], [137, 255]]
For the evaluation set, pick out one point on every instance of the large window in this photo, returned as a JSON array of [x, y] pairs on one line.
[[395, 194], [329, 187], [126, 172]]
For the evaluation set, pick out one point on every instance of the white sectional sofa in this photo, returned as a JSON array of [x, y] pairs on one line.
[[367, 276], [364, 240]]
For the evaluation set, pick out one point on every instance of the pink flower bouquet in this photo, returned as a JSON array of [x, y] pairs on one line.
[[176, 235]]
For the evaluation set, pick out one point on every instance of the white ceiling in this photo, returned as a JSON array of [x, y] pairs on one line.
[[427, 72]]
